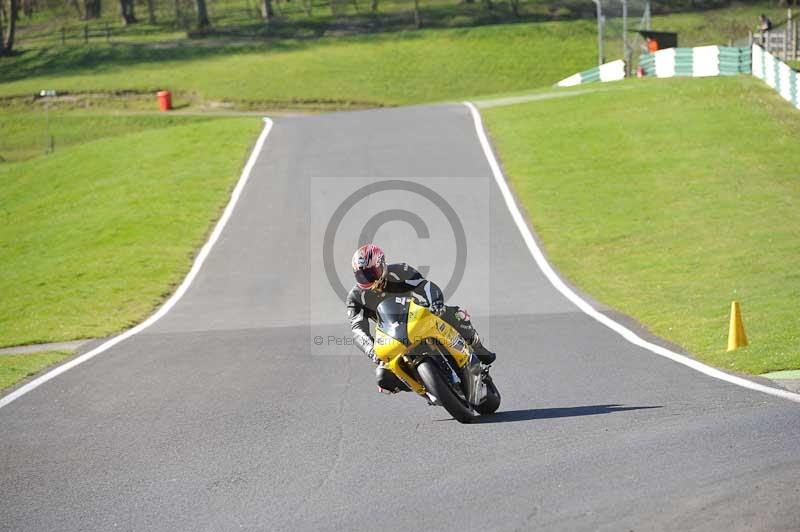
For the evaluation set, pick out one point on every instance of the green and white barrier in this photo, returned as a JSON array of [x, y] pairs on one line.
[[775, 73], [613, 71], [701, 61]]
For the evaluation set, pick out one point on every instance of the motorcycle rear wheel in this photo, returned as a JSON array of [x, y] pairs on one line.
[[432, 378]]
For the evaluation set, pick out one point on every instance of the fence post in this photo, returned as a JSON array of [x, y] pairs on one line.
[[86, 33], [794, 34], [108, 33], [786, 36]]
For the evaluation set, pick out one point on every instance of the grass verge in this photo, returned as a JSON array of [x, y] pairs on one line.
[[16, 368], [27, 131], [351, 70], [390, 69], [666, 203], [93, 237]]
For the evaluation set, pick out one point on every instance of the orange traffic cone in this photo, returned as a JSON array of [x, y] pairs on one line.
[[736, 336]]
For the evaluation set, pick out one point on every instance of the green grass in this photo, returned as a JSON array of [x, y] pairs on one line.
[[16, 368], [383, 68], [667, 202], [386, 69], [25, 133], [93, 237]]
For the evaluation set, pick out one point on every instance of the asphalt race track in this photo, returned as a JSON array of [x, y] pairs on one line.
[[227, 415]]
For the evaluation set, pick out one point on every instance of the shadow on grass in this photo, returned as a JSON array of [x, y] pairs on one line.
[[552, 413]]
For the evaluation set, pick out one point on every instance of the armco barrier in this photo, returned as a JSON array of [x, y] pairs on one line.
[[613, 71], [775, 73], [696, 62], [704, 61]]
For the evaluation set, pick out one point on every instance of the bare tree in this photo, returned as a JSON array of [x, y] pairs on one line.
[[7, 31]]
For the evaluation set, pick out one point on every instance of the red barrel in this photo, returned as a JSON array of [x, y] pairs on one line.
[[164, 100]]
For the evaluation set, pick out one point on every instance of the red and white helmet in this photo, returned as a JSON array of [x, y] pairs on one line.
[[369, 266]]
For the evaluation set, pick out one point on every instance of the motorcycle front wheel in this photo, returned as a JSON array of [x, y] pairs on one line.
[[434, 382], [492, 402]]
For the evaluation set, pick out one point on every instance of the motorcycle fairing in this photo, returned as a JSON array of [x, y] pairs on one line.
[[405, 327]]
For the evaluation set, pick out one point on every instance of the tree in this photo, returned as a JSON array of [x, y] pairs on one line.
[[417, 18], [266, 10], [127, 13], [8, 29], [151, 11], [91, 9], [77, 5], [202, 13]]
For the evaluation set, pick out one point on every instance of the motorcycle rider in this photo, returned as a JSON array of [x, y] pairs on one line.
[[376, 281]]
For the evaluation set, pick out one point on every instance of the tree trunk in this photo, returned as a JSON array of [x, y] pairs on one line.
[[374, 6], [151, 11], [77, 5], [202, 14], [514, 5], [126, 12], [7, 36], [417, 18], [266, 10], [91, 9]]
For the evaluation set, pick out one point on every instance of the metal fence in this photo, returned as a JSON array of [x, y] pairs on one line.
[[782, 40]]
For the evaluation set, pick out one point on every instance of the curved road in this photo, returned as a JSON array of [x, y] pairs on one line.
[[225, 414]]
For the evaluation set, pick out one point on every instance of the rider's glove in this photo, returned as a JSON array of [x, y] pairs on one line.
[[372, 356], [437, 307]]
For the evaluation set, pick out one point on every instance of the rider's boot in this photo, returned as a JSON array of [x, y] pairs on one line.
[[388, 382], [483, 354]]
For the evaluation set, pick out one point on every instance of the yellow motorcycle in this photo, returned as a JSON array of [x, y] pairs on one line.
[[433, 360]]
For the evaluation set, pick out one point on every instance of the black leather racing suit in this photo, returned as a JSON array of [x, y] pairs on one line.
[[401, 279]]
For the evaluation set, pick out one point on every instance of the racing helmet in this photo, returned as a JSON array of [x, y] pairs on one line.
[[369, 266]]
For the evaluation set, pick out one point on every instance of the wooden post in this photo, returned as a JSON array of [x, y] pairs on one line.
[[86, 33], [108, 33]]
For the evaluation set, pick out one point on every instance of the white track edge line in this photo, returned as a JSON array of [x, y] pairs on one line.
[[582, 304], [187, 281]]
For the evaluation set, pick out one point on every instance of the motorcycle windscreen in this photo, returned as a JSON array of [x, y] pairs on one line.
[[393, 318]]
